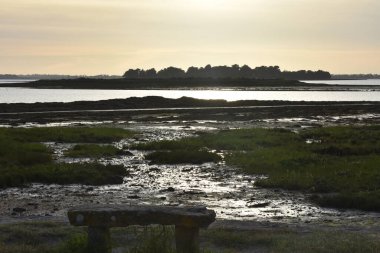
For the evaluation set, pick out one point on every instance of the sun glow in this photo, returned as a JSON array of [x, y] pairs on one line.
[[210, 4]]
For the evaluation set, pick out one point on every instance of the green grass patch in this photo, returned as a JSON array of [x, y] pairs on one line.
[[24, 160], [62, 173], [15, 153], [93, 151], [368, 201], [242, 139], [339, 160], [283, 241], [182, 156], [42, 237]]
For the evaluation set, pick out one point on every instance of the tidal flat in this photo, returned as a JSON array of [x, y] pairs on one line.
[[242, 194], [340, 164]]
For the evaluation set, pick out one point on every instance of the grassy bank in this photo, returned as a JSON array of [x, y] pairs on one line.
[[340, 161], [86, 173], [23, 159], [48, 237]]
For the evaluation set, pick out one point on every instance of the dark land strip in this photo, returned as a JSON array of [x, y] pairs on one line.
[[169, 83], [148, 108], [188, 83]]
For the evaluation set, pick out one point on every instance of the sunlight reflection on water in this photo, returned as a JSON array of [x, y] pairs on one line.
[[25, 95]]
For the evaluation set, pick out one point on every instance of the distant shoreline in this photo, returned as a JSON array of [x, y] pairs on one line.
[[189, 84], [183, 109], [156, 102], [172, 83]]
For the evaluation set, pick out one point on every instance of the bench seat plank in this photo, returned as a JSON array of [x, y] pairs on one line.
[[126, 215]]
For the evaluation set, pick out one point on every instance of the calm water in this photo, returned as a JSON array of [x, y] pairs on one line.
[[25, 95], [15, 81], [348, 82]]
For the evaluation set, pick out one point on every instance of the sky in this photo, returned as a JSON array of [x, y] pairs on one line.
[[110, 36]]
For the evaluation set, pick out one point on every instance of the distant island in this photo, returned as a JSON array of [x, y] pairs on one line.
[[159, 83], [234, 76], [208, 77], [53, 77], [208, 72], [215, 72], [233, 72]]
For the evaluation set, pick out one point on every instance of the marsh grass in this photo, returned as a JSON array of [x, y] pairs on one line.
[[283, 241], [62, 173], [42, 237], [242, 139], [93, 151], [51, 237], [340, 160], [182, 156], [24, 160]]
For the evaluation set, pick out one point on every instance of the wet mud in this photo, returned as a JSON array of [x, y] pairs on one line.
[[225, 189]]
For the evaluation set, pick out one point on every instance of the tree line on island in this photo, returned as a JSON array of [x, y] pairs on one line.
[[219, 72]]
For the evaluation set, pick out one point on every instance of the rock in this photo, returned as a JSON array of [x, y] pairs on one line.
[[170, 189]]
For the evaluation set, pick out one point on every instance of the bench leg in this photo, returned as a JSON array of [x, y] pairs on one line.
[[99, 240], [187, 239]]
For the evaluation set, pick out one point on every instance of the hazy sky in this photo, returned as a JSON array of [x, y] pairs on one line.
[[110, 36]]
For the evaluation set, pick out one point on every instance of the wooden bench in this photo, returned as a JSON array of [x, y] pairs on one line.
[[99, 219]]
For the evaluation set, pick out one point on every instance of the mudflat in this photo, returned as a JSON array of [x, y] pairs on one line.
[[233, 194]]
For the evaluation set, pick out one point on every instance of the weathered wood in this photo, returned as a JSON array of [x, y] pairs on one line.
[[99, 219], [187, 239], [126, 215]]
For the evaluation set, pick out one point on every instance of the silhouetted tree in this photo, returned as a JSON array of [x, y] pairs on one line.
[[193, 72], [234, 71], [151, 73], [263, 72], [171, 72], [132, 74], [246, 72]]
